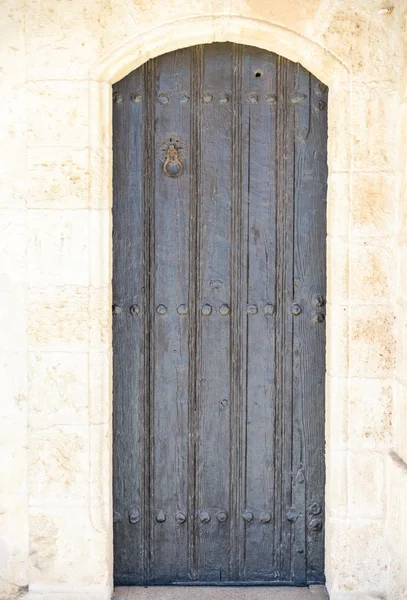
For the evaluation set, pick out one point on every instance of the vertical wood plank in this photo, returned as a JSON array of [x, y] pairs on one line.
[[128, 329], [170, 303], [194, 297], [259, 303], [214, 328], [310, 293], [284, 320], [147, 394]]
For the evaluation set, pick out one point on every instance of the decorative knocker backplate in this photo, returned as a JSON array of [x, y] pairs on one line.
[[172, 152]]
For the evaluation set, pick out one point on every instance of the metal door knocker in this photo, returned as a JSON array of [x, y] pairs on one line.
[[172, 154]]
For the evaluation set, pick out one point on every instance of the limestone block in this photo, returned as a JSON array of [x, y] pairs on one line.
[[58, 388], [370, 414], [12, 162], [13, 324], [57, 178], [100, 485], [366, 485], [358, 558], [100, 240], [337, 483], [58, 247], [100, 177], [12, 247], [337, 343], [339, 127], [372, 342], [401, 253], [400, 420], [64, 39], [402, 203], [100, 387], [13, 378], [374, 126], [57, 113], [13, 194], [66, 553], [352, 30], [371, 272], [59, 318], [290, 14], [373, 204], [338, 203], [13, 509], [40, 592], [58, 465], [337, 270], [397, 528], [100, 307], [13, 43], [336, 415], [100, 110]]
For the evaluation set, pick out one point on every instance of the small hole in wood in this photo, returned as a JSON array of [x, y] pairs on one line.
[[258, 74]]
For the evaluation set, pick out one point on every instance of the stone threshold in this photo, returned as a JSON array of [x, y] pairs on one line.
[[313, 592]]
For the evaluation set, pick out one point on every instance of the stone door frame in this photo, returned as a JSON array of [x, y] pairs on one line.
[[165, 38]]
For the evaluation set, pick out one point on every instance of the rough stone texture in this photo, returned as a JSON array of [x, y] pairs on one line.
[[314, 592], [58, 61]]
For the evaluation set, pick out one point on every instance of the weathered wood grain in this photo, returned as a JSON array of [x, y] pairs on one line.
[[218, 328]]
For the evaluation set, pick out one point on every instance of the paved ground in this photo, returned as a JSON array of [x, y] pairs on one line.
[[315, 592]]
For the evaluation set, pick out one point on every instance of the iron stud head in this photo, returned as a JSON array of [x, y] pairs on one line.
[[117, 517], [315, 525], [315, 508], [224, 310], [292, 516], [163, 98], [204, 516], [160, 516], [134, 516], [134, 309], [317, 317], [318, 300], [206, 310], [269, 310], [207, 97], [222, 516], [252, 309], [182, 309], [265, 517], [136, 97], [161, 309], [247, 516], [116, 310], [180, 517], [296, 310]]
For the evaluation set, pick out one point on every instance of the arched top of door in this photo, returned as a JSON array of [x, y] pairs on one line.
[[193, 30]]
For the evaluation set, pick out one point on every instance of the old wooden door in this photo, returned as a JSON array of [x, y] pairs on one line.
[[219, 231]]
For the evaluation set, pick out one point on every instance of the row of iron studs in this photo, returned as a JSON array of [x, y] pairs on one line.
[[224, 97], [204, 517], [315, 524], [224, 309]]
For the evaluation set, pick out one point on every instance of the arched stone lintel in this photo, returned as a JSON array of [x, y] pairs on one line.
[[189, 31]]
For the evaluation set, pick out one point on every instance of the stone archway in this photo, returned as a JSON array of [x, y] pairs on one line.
[[191, 31]]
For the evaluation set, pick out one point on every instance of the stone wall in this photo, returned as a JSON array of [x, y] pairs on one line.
[[58, 61]]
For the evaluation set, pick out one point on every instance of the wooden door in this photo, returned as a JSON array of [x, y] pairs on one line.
[[219, 226]]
